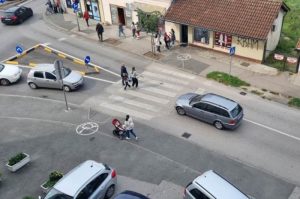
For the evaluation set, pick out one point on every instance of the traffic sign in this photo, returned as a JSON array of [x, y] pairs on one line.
[[19, 49], [2, 1], [232, 50], [75, 7], [87, 59]]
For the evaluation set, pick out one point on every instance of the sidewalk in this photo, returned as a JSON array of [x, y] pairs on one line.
[[202, 61]]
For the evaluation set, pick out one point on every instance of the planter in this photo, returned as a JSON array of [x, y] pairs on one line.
[[19, 164], [54, 177], [44, 188]]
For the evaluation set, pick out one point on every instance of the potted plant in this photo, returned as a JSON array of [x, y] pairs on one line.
[[17, 161], [53, 178]]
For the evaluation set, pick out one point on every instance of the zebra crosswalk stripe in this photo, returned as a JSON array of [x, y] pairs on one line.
[[146, 80], [147, 97], [159, 91], [165, 77], [135, 103], [173, 73]]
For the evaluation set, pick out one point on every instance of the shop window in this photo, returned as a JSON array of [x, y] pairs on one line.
[[201, 35], [223, 40]]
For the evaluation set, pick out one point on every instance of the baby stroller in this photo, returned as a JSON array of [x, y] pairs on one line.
[[119, 131]]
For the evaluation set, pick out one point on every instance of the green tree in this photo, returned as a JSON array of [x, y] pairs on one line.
[[148, 21]]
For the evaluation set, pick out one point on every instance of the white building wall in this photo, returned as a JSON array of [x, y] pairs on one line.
[[273, 37]]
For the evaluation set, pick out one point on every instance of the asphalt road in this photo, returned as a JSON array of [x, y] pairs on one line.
[[261, 157]]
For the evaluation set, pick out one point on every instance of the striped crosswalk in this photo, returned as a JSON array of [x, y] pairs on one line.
[[158, 88]]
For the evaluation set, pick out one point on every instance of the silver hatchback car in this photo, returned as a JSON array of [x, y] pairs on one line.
[[89, 180], [44, 76], [215, 109]]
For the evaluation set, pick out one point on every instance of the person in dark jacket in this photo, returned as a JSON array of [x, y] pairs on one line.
[[124, 73], [100, 30]]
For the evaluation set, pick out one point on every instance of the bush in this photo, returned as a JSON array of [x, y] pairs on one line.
[[53, 178], [17, 158], [295, 102], [226, 79]]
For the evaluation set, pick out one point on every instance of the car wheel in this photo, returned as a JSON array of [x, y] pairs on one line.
[[218, 125], [110, 192], [180, 110], [4, 82], [32, 85], [67, 88]]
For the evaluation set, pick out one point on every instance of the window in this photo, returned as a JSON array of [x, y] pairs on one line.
[[223, 112], [223, 40], [50, 76], [273, 28], [38, 74], [200, 105], [198, 194], [212, 109], [236, 111], [90, 188], [201, 35]]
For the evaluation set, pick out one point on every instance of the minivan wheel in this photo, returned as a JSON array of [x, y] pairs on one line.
[[32, 85], [218, 125], [180, 110], [4, 82], [110, 192], [67, 88]]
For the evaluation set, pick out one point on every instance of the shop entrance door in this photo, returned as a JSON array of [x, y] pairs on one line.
[[184, 34], [121, 16]]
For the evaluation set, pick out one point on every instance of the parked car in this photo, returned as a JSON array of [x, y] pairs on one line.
[[9, 74], [89, 180], [215, 109], [211, 185], [44, 76], [130, 195], [16, 15]]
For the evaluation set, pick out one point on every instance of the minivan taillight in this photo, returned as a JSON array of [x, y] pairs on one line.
[[232, 122], [113, 173], [14, 18]]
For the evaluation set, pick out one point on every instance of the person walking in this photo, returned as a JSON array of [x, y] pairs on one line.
[[129, 125], [135, 81], [123, 73], [121, 30], [173, 37], [167, 40], [86, 17], [100, 30], [133, 29], [157, 43], [126, 81]]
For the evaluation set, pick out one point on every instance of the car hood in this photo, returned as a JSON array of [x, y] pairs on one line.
[[184, 100], [73, 77], [10, 70]]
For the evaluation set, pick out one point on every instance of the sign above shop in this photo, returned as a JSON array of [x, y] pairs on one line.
[[291, 60], [278, 57]]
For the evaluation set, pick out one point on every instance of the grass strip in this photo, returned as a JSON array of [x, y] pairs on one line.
[[226, 79]]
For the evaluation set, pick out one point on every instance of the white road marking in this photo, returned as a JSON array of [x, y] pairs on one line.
[[87, 128], [46, 44], [148, 107], [179, 74], [39, 120], [165, 77], [126, 111], [146, 97], [160, 83], [73, 35], [61, 39], [98, 79], [274, 130], [159, 91]]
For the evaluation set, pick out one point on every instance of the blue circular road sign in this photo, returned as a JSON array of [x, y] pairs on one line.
[[87, 59], [2, 1], [75, 7], [19, 49]]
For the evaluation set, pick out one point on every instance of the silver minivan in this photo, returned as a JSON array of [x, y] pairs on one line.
[[211, 108], [89, 180], [43, 75], [211, 185]]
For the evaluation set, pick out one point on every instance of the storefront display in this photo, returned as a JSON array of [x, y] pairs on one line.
[[201, 35], [223, 40]]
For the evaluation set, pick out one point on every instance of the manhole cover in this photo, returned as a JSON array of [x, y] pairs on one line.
[[243, 93], [87, 128], [245, 64], [186, 135]]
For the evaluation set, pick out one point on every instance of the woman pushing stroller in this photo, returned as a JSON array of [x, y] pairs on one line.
[[124, 131]]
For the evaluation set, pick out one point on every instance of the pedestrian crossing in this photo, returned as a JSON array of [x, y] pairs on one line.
[[159, 86]]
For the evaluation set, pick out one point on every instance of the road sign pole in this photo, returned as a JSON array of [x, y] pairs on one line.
[[230, 65], [67, 106], [58, 65], [77, 21]]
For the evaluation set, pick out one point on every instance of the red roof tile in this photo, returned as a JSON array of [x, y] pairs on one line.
[[246, 18]]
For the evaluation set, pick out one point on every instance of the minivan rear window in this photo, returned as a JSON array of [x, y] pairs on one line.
[[236, 111]]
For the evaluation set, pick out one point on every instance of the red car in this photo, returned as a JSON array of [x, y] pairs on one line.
[[16, 15]]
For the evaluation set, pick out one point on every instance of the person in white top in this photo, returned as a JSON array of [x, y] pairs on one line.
[[135, 81], [129, 125]]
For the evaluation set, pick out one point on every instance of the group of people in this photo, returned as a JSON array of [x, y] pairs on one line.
[[136, 30], [126, 78], [169, 39], [54, 6]]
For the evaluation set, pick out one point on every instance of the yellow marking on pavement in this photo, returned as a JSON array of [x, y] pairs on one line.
[[82, 73], [96, 69], [78, 61], [61, 55], [12, 62], [48, 50], [32, 64]]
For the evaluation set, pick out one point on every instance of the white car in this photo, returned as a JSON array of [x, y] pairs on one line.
[[9, 74]]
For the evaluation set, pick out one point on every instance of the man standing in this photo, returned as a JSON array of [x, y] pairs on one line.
[[100, 30], [121, 30]]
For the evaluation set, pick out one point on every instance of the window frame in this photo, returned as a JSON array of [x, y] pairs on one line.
[[51, 75], [35, 72]]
